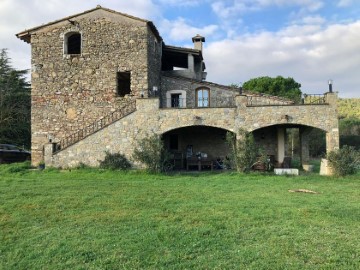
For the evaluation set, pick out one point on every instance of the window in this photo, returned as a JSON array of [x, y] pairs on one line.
[[72, 43], [175, 100], [123, 83], [202, 97]]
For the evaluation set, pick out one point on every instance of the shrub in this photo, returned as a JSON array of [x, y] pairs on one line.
[[344, 161], [151, 152], [244, 153], [115, 161]]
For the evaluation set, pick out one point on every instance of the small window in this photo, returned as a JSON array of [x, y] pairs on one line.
[[123, 83], [203, 97], [72, 43]]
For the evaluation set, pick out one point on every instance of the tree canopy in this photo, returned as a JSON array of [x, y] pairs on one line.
[[15, 104], [279, 86]]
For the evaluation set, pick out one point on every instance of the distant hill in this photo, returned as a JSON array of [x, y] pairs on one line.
[[349, 124], [349, 108]]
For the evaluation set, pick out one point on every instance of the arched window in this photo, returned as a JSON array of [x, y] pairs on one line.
[[203, 97], [72, 43]]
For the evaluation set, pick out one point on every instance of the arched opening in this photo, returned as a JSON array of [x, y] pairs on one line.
[[197, 147], [72, 43], [291, 145]]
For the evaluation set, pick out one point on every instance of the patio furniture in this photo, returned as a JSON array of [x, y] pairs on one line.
[[201, 163]]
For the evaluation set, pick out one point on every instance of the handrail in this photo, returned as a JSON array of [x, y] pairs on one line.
[[214, 102], [95, 126], [314, 99], [263, 100]]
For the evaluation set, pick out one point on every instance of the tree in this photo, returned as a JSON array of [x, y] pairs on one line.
[[151, 152], [15, 104], [344, 161], [244, 153], [279, 86]]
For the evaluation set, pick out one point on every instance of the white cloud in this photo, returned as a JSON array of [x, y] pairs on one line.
[[310, 57], [224, 9], [181, 30], [344, 3], [180, 3]]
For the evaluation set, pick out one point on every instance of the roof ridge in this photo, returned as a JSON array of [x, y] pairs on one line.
[[27, 31]]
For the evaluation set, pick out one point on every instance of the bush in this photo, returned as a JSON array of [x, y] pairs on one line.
[[115, 161], [245, 152], [351, 140], [344, 161], [151, 152]]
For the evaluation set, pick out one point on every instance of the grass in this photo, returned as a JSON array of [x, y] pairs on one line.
[[92, 219]]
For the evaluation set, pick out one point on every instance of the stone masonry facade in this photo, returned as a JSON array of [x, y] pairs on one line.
[[70, 91], [122, 136]]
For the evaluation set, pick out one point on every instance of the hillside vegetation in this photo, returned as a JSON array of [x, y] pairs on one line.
[[349, 108]]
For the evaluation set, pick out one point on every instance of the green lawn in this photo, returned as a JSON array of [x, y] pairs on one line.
[[91, 219]]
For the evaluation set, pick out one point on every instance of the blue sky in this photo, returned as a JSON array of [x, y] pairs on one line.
[[309, 40]]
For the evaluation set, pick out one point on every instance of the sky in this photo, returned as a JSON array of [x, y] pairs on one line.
[[311, 41]]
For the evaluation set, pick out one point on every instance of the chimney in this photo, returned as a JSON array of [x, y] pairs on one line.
[[330, 82], [198, 41]]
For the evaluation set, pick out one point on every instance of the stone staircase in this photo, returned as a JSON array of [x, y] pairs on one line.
[[95, 126]]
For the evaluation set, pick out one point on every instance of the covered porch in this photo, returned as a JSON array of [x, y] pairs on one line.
[[197, 147], [285, 143]]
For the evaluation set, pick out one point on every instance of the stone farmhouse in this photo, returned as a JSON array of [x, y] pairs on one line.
[[102, 80]]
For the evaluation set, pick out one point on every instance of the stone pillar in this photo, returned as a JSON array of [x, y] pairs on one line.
[[241, 101], [38, 140], [280, 144], [304, 145], [48, 153], [191, 65], [331, 98], [332, 140], [148, 104]]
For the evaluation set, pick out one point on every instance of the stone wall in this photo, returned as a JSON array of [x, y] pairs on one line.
[[220, 96], [123, 135], [72, 91]]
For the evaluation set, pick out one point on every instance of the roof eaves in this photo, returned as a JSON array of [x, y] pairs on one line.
[[227, 87]]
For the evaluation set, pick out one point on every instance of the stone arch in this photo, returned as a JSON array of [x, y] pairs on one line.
[[278, 134], [168, 129], [189, 143]]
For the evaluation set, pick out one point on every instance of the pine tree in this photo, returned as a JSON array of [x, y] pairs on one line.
[[15, 103]]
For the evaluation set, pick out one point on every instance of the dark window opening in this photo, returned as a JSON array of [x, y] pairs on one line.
[[174, 142], [175, 100], [73, 43], [123, 83]]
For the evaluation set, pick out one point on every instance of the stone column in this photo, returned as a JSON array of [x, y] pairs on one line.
[[48, 153], [280, 144], [331, 98], [241, 101], [332, 140], [191, 62], [38, 140], [304, 145]]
